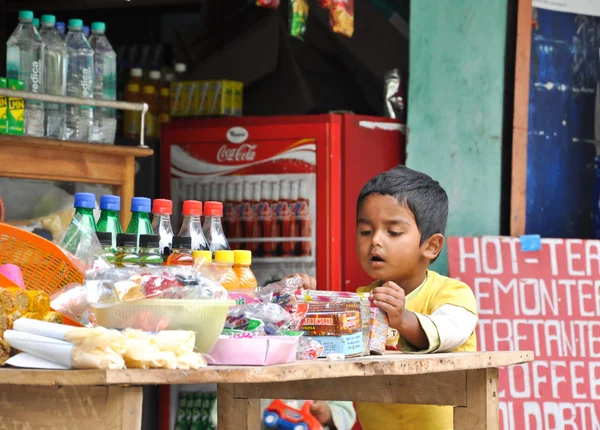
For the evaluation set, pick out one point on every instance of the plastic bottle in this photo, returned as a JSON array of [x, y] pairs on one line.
[[80, 82], [105, 84], [203, 263], [61, 28], [242, 261], [178, 96], [86, 31], [286, 220], [106, 241], [249, 217], [192, 225], [55, 77], [275, 193], [213, 229], [231, 216], [140, 218], [133, 94], [303, 220], [182, 252], [36, 23], [267, 220], [82, 221], [150, 96], [164, 109], [224, 273], [127, 254], [149, 251], [162, 210], [25, 61], [109, 216]]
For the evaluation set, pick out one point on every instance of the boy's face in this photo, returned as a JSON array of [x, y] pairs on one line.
[[388, 241]]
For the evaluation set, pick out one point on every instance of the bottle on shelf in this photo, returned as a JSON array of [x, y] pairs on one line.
[[213, 228], [224, 273], [55, 77], [267, 220], [133, 94], [164, 109], [303, 220], [249, 217], [276, 229], [127, 251], [80, 82], [61, 27], [140, 218], [106, 241], [162, 210], [286, 219], [105, 84], [232, 226], [36, 23], [86, 31], [182, 252], [150, 96], [192, 225], [109, 216], [149, 251], [242, 262], [83, 221], [25, 61]]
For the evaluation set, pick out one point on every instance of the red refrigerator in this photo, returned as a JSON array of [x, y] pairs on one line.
[[289, 185]]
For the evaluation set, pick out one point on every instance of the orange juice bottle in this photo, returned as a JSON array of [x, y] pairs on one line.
[[182, 252], [242, 261], [224, 273], [203, 263]]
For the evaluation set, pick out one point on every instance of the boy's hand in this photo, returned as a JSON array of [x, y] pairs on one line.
[[390, 298], [321, 411], [308, 282]]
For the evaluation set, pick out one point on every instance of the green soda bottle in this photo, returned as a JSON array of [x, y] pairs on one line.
[[109, 217], [140, 217], [108, 251], [83, 221]]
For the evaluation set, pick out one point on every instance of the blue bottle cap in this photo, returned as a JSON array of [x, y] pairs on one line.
[[110, 203], [140, 204], [60, 26], [85, 200], [86, 30]]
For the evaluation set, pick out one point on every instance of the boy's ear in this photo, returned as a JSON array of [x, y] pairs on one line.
[[433, 246]]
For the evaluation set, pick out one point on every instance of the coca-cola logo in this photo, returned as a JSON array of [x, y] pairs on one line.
[[237, 134], [243, 153]]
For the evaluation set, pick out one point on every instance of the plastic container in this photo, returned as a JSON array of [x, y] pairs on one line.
[[241, 266], [127, 254], [109, 216], [149, 251], [192, 226], [204, 317], [213, 228], [162, 210], [133, 94], [140, 217], [106, 240], [182, 252], [224, 273]]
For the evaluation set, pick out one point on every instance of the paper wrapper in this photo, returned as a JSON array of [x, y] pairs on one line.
[[56, 351], [42, 328], [29, 361]]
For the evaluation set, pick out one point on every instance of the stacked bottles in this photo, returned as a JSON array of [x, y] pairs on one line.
[[140, 218], [192, 225], [109, 216], [161, 224]]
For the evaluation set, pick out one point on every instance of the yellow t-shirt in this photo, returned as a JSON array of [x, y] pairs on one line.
[[437, 290]]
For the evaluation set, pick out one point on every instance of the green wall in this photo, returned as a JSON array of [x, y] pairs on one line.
[[457, 51]]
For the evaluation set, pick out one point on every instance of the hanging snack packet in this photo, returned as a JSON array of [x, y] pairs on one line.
[[298, 16], [341, 17], [325, 4], [269, 4]]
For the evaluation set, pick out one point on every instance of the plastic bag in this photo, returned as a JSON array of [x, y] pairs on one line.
[[298, 16], [341, 17], [71, 301], [261, 318], [308, 349], [394, 105], [82, 247], [281, 292]]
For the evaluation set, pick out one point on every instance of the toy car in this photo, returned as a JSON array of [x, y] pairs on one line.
[[280, 416]]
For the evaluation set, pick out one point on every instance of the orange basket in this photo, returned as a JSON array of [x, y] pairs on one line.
[[45, 267]]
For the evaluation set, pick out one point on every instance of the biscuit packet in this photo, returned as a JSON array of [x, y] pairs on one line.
[[298, 15], [269, 4], [341, 16]]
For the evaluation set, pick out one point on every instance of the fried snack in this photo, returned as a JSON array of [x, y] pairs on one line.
[[4, 324], [21, 298], [12, 317], [7, 301], [341, 14], [53, 317], [39, 302], [4, 352], [32, 316], [298, 16]]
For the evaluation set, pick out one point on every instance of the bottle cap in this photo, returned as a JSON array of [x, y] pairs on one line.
[[48, 19], [60, 26], [105, 238], [192, 207], [204, 255], [224, 257], [99, 26], [155, 75], [179, 67], [242, 257], [149, 241], [76, 24], [140, 204], [182, 242], [110, 203], [162, 206], [85, 200], [213, 209], [86, 30], [36, 22], [25, 14], [127, 240], [169, 77], [136, 72]]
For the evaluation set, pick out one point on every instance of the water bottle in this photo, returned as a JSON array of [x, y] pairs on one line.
[[36, 23], [86, 31], [55, 76], [105, 83], [25, 61], [61, 28], [80, 79]]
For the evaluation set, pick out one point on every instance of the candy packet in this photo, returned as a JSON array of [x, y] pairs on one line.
[[298, 15], [378, 331], [269, 4], [341, 17]]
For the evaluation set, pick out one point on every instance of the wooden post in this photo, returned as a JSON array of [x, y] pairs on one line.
[[234, 413], [481, 412]]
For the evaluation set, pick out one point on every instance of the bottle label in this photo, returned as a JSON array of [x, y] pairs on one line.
[[35, 77], [86, 83]]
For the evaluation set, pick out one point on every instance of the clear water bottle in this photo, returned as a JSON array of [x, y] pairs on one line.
[[55, 77], [105, 83], [80, 79], [25, 61], [62, 29]]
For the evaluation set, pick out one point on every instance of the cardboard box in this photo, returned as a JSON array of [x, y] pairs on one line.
[[16, 109], [349, 344], [3, 108], [332, 323], [257, 351]]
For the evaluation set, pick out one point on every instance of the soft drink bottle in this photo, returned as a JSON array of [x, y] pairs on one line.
[[164, 109], [182, 252], [109, 216], [162, 210], [224, 273], [25, 61], [133, 94], [249, 218], [276, 231], [242, 260], [55, 78], [150, 96], [286, 219], [213, 229], [192, 225], [140, 218], [267, 220], [303, 220], [80, 82], [231, 217], [105, 84], [82, 221]]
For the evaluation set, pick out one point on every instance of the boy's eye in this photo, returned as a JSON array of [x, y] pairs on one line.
[[365, 232], [395, 233]]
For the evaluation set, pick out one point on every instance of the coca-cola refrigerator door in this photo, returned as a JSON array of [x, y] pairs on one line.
[[266, 171]]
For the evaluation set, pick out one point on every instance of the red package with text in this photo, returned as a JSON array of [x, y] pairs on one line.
[[269, 4], [378, 331], [341, 17]]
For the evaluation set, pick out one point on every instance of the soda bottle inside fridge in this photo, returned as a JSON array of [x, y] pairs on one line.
[[285, 218], [266, 220], [249, 218], [232, 224], [303, 221]]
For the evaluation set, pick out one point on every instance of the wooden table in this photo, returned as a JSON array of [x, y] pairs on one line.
[[112, 399]]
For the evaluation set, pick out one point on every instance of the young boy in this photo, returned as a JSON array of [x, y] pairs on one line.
[[401, 221]]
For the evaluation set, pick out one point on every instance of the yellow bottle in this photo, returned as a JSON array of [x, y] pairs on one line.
[[224, 273], [203, 263], [242, 262]]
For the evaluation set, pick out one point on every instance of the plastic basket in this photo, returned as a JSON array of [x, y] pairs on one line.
[[204, 317], [45, 267]]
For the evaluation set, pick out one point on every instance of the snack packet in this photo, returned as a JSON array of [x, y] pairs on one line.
[[341, 17], [269, 4], [298, 16], [393, 337], [308, 349], [378, 331]]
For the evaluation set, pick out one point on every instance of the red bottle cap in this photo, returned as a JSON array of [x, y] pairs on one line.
[[213, 209], [162, 206], [192, 207]]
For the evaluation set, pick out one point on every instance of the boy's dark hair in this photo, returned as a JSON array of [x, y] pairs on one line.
[[425, 197]]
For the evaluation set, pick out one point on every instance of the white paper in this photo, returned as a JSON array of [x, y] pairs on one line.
[[56, 351], [32, 362], [583, 7], [42, 328]]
